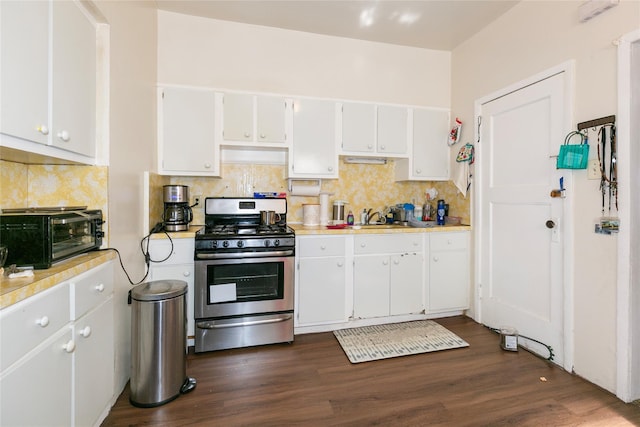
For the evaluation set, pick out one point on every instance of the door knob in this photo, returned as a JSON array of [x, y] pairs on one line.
[[550, 223]]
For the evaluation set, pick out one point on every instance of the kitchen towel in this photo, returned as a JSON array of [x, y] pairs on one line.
[[461, 170]]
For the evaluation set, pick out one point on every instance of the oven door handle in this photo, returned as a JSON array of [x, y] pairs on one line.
[[244, 255], [213, 325]]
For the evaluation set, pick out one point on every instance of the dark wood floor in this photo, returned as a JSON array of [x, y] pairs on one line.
[[311, 382]]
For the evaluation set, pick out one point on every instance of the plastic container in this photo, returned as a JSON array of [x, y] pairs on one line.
[[508, 338], [338, 211], [440, 213]]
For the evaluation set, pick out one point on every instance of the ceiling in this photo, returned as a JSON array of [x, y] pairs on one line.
[[429, 24]]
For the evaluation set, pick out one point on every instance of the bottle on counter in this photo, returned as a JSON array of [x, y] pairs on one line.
[[440, 212], [363, 216], [350, 218]]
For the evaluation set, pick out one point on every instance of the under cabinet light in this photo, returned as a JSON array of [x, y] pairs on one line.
[[366, 160]]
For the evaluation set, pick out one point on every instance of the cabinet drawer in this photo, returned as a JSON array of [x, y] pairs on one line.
[[183, 249], [321, 246], [385, 244], [449, 241], [28, 323], [90, 289]]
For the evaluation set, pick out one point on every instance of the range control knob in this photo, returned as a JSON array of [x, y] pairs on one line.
[[267, 243], [276, 242], [214, 244], [240, 243], [225, 244]]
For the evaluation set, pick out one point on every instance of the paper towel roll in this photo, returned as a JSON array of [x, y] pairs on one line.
[[311, 214], [324, 208], [300, 189]]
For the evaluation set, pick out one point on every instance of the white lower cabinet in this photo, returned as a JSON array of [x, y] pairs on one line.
[[382, 277], [177, 264], [449, 276], [59, 365], [321, 280], [387, 275], [36, 391]]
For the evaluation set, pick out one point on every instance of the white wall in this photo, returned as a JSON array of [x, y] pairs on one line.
[[228, 55], [530, 38], [132, 140]]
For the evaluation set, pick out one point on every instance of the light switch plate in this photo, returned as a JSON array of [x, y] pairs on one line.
[[593, 169]]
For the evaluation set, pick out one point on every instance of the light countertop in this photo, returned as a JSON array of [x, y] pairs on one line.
[[303, 230], [190, 233], [15, 290]]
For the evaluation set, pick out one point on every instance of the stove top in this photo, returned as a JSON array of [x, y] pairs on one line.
[[234, 229], [232, 225]]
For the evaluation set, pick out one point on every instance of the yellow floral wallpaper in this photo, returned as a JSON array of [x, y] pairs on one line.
[[24, 185], [362, 186]]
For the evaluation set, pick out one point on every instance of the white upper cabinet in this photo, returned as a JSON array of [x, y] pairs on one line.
[[24, 65], [48, 62], [358, 127], [392, 130], [429, 159], [238, 117], [74, 80], [271, 119], [370, 129], [186, 134], [252, 119], [313, 153]]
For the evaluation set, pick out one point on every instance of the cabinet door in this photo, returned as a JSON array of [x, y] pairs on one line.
[[270, 122], [37, 390], [371, 286], [74, 79], [238, 117], [430, 150], [24, 69], [313, 154], [448, 280], [358, 127], [406, 284], [321, 290], [93, 367], [184, 272], [186, 137], [392, 130]]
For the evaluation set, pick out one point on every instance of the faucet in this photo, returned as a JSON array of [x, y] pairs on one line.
[[381, 217]]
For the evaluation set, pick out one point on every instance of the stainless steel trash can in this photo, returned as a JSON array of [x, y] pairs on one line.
[[159, 343]]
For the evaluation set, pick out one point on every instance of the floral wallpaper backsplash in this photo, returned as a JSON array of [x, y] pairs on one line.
[[362, 186], [23, 185]]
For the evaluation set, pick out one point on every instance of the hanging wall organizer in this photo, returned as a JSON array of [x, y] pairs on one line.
[[605, 129]]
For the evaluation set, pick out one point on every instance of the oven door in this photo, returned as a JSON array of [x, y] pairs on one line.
[[242, 286]]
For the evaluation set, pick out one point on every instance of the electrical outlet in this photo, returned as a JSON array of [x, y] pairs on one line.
[[196, 199], [593, 169]]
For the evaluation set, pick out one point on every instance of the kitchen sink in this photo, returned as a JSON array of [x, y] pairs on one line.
[[385, 226]]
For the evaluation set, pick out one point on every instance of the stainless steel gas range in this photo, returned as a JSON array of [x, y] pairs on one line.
[[244, 264]]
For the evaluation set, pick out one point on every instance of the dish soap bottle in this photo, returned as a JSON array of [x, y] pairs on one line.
[[350, 218], [364, 217]]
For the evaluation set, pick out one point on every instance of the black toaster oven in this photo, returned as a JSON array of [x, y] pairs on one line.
[[39, 237]]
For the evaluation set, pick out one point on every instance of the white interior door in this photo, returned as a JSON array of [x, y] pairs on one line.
[[520, 237]]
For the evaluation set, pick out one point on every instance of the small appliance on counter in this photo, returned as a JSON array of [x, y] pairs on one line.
[[40, 236], [177, 213]]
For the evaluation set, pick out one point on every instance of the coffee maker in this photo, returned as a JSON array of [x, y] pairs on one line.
[[177, 212]]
